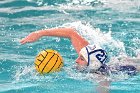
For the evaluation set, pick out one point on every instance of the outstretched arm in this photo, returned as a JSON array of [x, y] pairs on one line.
[[77, 41]]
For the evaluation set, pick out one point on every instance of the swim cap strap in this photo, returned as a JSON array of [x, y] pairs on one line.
[[88, 56]]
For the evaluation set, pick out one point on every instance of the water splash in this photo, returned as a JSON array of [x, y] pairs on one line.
[[23, 72], [97, 37], [132, 4], [38, 2]]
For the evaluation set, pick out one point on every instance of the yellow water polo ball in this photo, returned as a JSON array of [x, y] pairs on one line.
[[48, 61]]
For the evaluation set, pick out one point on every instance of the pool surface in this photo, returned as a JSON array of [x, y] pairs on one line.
[[118, 21]]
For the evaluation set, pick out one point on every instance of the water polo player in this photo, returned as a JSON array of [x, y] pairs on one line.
[[90, 56]]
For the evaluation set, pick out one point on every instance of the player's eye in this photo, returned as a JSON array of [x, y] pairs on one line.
[[82, 58]]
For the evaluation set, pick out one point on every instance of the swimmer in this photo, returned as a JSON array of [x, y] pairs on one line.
[[89, 56]]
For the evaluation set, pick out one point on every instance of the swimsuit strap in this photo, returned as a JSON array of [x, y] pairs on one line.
[[128, 69]]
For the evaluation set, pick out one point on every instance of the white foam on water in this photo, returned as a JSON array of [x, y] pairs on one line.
[[123, 5], [97, 37], [22, 72], [11, 86]]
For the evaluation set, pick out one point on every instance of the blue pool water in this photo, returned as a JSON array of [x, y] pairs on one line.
[[118, 21]]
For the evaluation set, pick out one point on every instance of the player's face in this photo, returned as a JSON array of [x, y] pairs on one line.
[[81, 60], [81, 63]]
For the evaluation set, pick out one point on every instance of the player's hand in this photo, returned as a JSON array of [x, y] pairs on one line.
[[32, 37]]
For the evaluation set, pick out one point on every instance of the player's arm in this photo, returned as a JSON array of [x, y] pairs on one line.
[[77, 41]]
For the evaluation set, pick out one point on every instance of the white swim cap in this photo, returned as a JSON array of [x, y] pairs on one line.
[[94, 55]]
